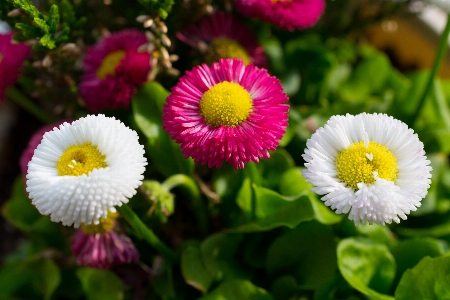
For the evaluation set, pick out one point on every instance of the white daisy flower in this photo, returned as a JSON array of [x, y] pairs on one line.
[[80, 171], [370, 165]]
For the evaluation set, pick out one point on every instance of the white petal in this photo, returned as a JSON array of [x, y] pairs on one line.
[[384, 201], [73, 200]]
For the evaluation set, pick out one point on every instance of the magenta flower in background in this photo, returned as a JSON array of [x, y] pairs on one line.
[[226, 112], [34, 141], [226, 37], [113, 68], [12, 56], [287, 14], [103, 246]]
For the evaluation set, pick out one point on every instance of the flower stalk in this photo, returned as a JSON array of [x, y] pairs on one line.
[[142, 230], [441, 50], [199, 207], [15, 95]]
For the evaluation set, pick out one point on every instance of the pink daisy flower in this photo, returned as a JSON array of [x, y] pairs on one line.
[[12, 55], [287, 14], [226, 112], [34, 141], [226, 37], [101, 246], [112, 70]]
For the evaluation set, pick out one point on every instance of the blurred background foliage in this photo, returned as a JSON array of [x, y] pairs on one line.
[[266, 236]]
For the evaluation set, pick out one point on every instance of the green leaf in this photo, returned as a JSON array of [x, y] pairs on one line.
[[377, 233], [306, 252], [218, 253], [244, 199], [163, 282], [100, 284], [237, 290], [53, 19], [429, 279], [409, 252], [164, 152], [47, 41], [13, 277], [21, 213], [272, 169], [274, 210], [368, 267], [293, 183], [368, 77], [67, 12], [285, 287], [46, 276], [194, 271], [163, 7]]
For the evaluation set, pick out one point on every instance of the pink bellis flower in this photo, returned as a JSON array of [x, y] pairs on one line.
[[227, 112], [287, 14], [12, 56], [113, 68], [103, 246], [224, 37]]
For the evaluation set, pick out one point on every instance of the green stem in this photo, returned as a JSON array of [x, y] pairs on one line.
[[14, 94], [142, 230], [442, 49], [442, 104], [252, 172], [191, 186]]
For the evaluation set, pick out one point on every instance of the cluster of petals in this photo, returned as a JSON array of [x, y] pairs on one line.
[[286, 14], [12, 56], [103, 250], [223, 25], [384, 201], [89, 197], [115, 90], [248, 141]]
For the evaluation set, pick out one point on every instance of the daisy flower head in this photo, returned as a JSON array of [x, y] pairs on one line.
[[227, 112], [113, 68], [80, 171], [286, 14], [224, 37], [12, 56], [103, 246], [370, 165]]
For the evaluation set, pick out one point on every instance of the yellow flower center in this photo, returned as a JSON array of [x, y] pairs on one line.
[[275, 1], [104, 225], [226, 104], [80, 159], [110, 63], [1, 57], [357, 164], [226, 48]]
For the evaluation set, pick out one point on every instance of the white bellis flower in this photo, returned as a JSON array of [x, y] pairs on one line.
[[80, 171], [370, 165]]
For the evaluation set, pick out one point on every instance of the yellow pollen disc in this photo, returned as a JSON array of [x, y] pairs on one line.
[[226, 104], [110, 63], [1, 57], [80, 159], [357, 163], [105, 224], [226, 48], [275, 1]]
